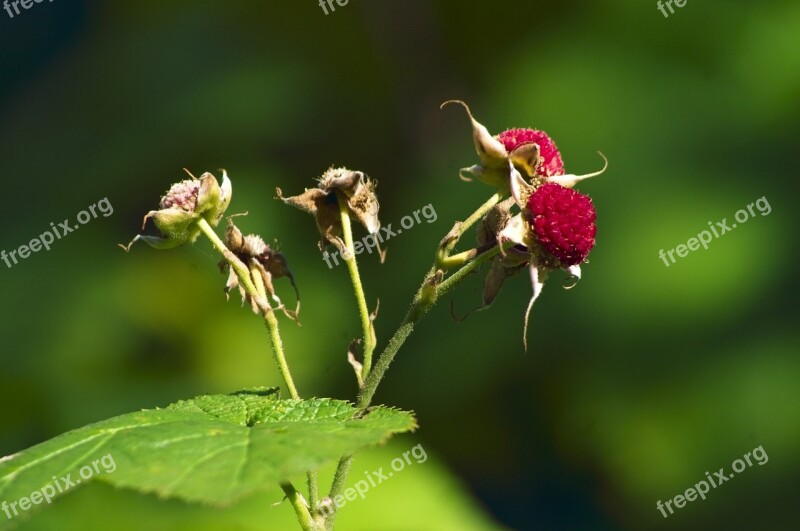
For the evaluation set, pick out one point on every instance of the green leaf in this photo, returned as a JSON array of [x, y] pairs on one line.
[[212, 449]]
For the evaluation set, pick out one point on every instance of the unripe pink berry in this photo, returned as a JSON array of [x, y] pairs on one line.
[[182, 195]]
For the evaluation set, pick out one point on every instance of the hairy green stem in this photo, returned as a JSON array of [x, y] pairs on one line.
[[482, 210], [352, 266], [443, 258], [430, 290], [239, 267], [337, 487], [275, 337], [253, 284], [418, 309], [451, 281], [280, 358], [313, 492], [300, 507], [423, 301]]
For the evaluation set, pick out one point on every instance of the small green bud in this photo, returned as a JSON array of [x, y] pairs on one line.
[[184, 204], [175, 224]]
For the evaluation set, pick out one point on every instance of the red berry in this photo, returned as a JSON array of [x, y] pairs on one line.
[[563, 221], [551, 158]]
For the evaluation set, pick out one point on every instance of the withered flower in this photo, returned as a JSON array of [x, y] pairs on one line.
[[269, 263], [354, 187], [183, 206]]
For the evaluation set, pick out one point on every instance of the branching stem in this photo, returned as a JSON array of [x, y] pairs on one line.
[[432, 287]]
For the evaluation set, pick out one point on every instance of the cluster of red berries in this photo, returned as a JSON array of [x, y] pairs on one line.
[[562, 219]]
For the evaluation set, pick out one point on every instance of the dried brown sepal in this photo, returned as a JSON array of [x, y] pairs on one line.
[[374, 314], [323, 207], [501, 268], [358, 368], [491, 151], [494, 221], [322, 202], [269, 264]]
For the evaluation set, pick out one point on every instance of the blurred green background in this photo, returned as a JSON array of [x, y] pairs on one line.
[[636, 382]]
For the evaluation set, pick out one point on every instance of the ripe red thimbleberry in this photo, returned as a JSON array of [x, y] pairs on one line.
[[551, 163], [563, 221]]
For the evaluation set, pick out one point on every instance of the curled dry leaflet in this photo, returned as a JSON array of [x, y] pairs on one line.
[[533, 221]]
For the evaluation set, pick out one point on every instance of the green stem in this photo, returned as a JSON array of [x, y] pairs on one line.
[[238, 266], [280, 358], [299, 506], [482, 210], [254, 286], [443, 258], [277, 348], [275, 336], [447, 261], [424, 299], [419, 308], [313, 492], [337, 487], [352, 266], [451, 281]]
